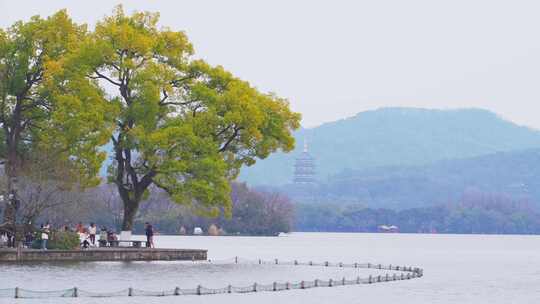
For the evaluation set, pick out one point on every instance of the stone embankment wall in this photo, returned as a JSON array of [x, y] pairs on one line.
[[106, 254]]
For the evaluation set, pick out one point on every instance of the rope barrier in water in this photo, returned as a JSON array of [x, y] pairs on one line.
[[406, 273]]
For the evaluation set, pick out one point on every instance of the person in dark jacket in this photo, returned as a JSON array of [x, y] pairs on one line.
[[149, 231]]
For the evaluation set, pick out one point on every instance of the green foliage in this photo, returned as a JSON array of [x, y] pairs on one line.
[[182, 125], [46, 102], [64, 240], [176, 123]]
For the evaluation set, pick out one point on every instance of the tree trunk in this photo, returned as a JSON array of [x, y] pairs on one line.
[[130, 211], [11, 174], [130, 187], [10, 209], [9, 212]]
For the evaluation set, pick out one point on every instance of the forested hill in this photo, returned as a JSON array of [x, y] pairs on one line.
[[396, 137], [515, 174]]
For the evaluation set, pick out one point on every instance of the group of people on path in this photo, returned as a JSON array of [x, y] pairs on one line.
[[87, 235], [43, 235], [7, 239]]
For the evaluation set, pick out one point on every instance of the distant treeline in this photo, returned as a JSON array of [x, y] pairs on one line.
[[476, 213], [253, 212], [516, 174]]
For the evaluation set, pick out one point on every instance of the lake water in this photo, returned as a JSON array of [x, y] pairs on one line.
[[457, 269]]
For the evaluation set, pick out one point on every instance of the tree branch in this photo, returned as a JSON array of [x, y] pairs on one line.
[[165, 96], [101, 76], [179, 81], [229, 141], [164, 188]]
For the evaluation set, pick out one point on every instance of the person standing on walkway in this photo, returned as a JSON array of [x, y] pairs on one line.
[[103, 237], [92, 231], [149, 231], [45, 230]]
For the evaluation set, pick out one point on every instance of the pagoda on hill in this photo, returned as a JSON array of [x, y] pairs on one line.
[[304, 168]]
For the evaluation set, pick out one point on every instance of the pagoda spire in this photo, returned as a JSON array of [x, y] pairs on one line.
[[304, 167]]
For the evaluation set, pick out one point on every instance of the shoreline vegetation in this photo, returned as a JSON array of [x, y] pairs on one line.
[[478, 213], [260, 213], [253, 213]]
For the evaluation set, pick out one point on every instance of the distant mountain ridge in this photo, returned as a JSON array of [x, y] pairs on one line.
[[396, 137]]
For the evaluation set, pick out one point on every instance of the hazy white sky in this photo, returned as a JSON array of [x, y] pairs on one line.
[[332, 59]]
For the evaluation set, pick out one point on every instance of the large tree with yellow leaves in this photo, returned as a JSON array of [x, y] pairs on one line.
[[182, 126]]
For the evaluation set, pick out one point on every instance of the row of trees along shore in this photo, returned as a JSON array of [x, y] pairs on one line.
[[475, 212], [175, 123]]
